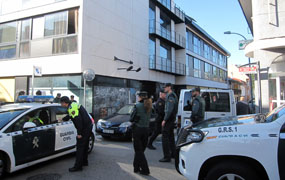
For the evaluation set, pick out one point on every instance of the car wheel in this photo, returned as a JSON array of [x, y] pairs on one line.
[[231, 171], [2, 165], [91, 143]]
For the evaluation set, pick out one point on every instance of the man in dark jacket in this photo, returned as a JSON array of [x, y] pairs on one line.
[[198, 106], [83, 125], [242, 107], [159, 108], [171, 108]]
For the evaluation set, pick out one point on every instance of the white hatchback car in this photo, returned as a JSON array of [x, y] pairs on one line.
[[241, 148], [23, 143]]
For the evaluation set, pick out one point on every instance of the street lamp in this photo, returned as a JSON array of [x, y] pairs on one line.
[[250, 80]]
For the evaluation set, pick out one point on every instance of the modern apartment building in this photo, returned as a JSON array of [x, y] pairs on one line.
[[66, 37], [266, 20]]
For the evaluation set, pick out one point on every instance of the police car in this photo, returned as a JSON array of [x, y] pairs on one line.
[[31, 133], [239, 148]]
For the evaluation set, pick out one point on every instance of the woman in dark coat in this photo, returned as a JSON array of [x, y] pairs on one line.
[[140, 119]]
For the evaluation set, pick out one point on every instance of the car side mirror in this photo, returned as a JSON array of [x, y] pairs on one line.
[[29, 125]]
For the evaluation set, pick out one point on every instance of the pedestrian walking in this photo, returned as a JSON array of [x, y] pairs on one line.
[[83, 125], [198, 106], [159, 108], [171, 108], [140, 119]]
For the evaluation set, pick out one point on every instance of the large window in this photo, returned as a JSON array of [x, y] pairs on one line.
[[197, 68], [215, 73], [25, 38], [152, 18], [165, 26], [208, 71], [197, 45], [56, 24], [215, 56], [8, 32], [151, 52], [165, 51], [216, 102], [206, 51]]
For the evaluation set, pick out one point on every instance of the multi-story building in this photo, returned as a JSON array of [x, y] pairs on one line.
[[66, 37], [266, 20]]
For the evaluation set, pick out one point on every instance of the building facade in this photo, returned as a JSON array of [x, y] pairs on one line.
[[266, 20], [66, 37]]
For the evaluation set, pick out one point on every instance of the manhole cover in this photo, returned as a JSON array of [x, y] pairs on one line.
[[45, 177]]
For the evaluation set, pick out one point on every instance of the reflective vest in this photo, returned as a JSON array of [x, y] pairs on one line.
[[73, 110], [37, 119]]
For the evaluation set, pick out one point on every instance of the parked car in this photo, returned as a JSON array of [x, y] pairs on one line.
[[242, 148], [219, 103], [25, 143], [118, 125]]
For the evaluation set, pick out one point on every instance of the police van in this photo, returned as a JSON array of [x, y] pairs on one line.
[[31, 133], [250, 147], [218, 103]]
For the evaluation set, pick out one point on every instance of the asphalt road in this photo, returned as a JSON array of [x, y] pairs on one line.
[[110, 159]]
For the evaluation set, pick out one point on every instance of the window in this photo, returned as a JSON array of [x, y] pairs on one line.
[[165, 51], [7, 116], [197, 68], [215, 56], [208, 73], [220, 60], [216, 101], [8, 32], [8, 52], [215, 73], [189, 40], [65, 45], [206, 51], [165, 26], [187, 101], [73, 21], [60, 113], [55, 24], [25, 38], [152, 53], [152, 18], [38, 27], [197, 45]]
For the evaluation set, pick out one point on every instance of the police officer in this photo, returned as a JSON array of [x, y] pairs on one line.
[[198, 106], [171, 108], [159, 108], [140, 119], [83, 125]]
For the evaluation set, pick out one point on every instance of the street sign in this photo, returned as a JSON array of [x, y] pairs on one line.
[[243, 43], [248, 70], [37, 71]]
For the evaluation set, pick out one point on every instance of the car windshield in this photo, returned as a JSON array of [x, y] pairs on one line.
[[126, 110], [7, 116], [275, 113]]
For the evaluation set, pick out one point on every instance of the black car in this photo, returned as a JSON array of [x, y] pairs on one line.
[[118, 125]]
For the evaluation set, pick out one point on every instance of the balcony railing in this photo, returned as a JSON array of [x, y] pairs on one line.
[[166, 65], [171, 36], [170, 5]]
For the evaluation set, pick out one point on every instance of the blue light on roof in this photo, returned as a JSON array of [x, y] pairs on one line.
[[35, 98]]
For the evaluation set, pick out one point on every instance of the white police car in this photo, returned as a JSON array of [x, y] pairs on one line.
[[31, 133], [239, 148]]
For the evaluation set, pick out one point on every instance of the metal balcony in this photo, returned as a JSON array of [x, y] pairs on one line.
[[175, 12], [175, 39], [166, 65]]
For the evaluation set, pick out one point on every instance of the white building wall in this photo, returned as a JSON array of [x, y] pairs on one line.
[[118, 28]]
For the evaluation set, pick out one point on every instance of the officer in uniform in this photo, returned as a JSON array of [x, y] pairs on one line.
[[159, 108], [83, 125], [140, 119], [171, 108], [198, 106]]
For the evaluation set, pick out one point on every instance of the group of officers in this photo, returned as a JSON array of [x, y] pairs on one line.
[[166, 109]]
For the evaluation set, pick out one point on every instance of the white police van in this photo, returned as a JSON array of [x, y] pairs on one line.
[[248, 147], [23, 143], [219, 103]]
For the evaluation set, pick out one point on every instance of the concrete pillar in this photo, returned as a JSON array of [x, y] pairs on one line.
[[278, 91], [157, 20]]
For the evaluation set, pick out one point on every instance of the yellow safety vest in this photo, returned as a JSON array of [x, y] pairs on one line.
[[73, 110]]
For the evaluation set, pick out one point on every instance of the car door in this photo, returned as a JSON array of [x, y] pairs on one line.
[[65, 131], [281, 146], [34, 143], [218, 104]]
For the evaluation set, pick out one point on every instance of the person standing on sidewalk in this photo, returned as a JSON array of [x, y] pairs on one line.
[[159, 108], [171, 108], [83, 125], [140, 119]]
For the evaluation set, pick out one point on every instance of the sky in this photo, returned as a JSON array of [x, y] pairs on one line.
[[216, 17]]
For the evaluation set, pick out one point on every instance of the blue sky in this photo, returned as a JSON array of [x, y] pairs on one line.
[[216, 17]]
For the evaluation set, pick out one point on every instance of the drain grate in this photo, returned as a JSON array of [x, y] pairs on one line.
[[45, 177]]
